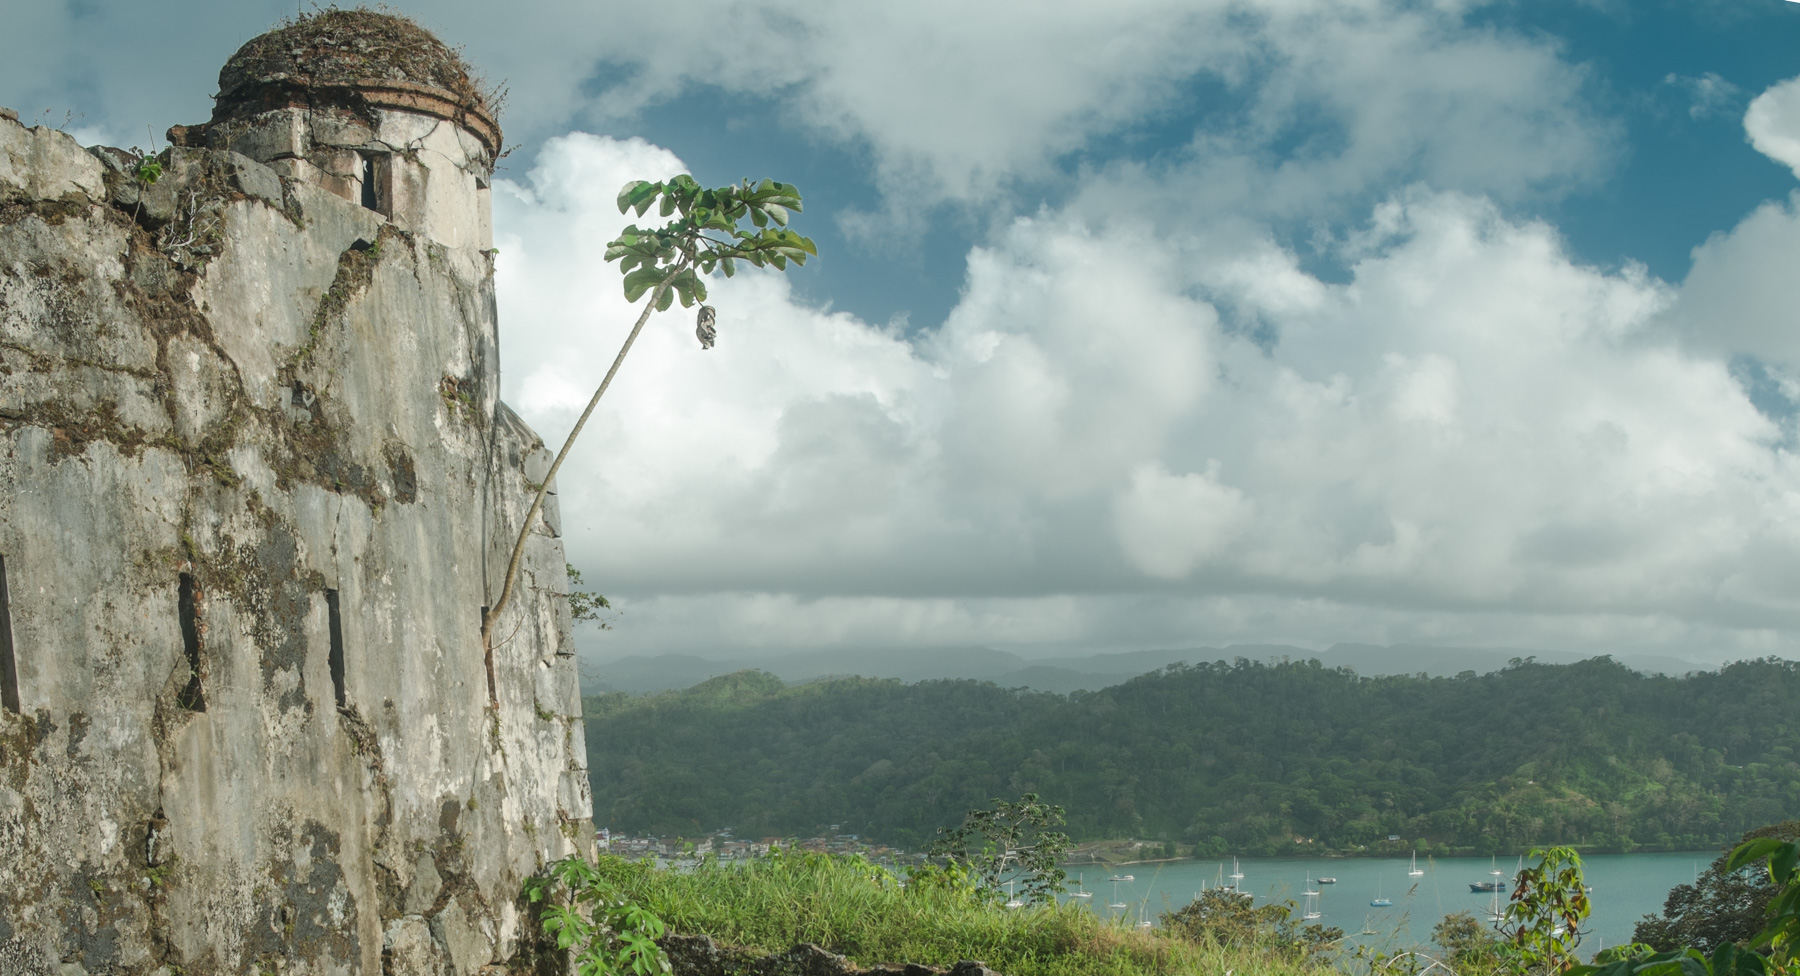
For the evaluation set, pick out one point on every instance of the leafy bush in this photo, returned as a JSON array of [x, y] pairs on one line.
[[1012, 846], [1720, 906], [1780, 937], [1227, 918], [1466, 941], [583, 911]]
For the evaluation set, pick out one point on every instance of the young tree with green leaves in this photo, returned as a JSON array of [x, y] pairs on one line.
[[673, 261], [1012, 843], [1549, 903], [606, 933]]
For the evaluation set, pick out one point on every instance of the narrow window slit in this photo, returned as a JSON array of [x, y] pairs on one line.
[[370, 199], [9, 667], [337, 648], [193, 697]]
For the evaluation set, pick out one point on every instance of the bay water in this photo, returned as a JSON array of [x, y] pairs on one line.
[[1626, 888]]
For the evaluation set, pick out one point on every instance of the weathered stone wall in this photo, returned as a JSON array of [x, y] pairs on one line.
[[229, 400]]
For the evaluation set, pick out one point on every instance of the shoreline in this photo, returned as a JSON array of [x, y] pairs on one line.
[[1078, 859]]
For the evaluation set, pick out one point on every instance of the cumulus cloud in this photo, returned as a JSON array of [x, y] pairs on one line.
[[952, 101], [960, 102], [1170, 524], [1357, 101], [1773, 123], [1740, 294], [1474, 428]]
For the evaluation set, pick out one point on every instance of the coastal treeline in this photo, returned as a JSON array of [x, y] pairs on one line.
[[1244, 757]]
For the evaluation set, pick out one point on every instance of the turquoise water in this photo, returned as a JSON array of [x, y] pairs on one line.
[[1626, 888]]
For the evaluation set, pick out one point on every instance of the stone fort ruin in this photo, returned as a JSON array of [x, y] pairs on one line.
[[256, 491]]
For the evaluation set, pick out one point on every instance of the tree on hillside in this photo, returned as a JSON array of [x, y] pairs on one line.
[[1722, 906], [1227, 758], [664, 263]]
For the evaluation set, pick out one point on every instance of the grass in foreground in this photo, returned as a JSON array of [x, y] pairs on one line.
[[854, 908]]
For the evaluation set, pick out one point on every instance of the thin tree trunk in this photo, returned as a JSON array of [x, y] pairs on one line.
[[537, 504]]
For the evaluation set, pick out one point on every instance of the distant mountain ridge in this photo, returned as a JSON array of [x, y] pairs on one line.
[[645, 674]]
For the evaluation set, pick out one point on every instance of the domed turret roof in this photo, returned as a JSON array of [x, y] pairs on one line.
[[388, 60]]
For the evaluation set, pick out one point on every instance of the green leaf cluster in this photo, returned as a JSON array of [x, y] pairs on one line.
[[584, 606], [706, 234], [1015, 844], [583, 910], [1724, 904], [1224, 917], [1782, 936], [1726, 960], [1543, 919], [1774, 950], [1466, 941]]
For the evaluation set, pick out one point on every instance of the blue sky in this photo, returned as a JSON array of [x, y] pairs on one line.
[[1164, 324]]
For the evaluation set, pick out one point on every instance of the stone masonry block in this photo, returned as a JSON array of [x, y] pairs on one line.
[[44, 164], [266, 137]]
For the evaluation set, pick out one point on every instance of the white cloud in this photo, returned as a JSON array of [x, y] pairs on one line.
[[1170, 524], [1708, 94], [1773, 123], [1473, 432], [1068, 359], [961, 102], [953, 98], [1355, 101], [1740, 295], [950, 101]]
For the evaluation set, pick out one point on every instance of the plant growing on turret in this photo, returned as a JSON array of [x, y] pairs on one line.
[[706, 235]]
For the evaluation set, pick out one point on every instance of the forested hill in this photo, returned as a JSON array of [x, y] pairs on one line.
[[1243, 757]]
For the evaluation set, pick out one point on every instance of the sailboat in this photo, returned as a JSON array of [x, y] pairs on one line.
[[1116, 903], [1080, 889], [1312, 900], [1237, 873], [1415, 872], [1380, 902], [1011, 901]]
